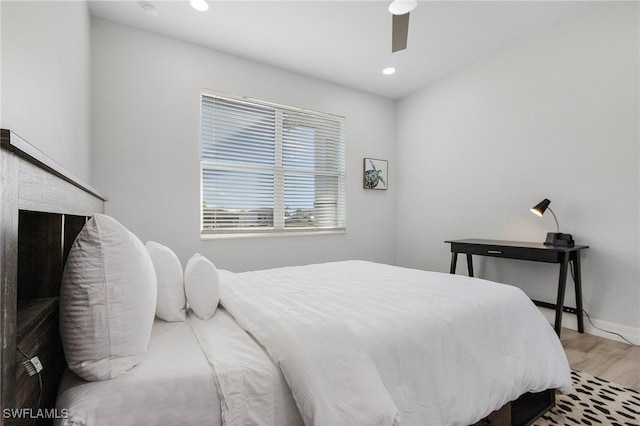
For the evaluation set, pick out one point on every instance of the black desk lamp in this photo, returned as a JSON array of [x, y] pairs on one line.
[[553, 238]]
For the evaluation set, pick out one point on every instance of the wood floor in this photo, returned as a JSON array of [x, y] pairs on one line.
[[604, 358]]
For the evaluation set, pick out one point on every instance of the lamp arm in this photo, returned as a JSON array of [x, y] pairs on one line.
[[555, 218]]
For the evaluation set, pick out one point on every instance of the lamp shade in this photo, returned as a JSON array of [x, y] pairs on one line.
[[541, 207]]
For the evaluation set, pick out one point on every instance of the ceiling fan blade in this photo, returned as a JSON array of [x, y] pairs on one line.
[[399, 32]]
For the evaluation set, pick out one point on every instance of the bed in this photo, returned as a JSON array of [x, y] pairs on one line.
[[349, 342], [478, 346]]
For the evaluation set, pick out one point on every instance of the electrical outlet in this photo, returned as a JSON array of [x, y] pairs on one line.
[[37, 364]]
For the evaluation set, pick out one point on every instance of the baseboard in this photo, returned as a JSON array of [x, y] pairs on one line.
[[632, 334]]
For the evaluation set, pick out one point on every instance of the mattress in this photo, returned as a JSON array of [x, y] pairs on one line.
[[173, 385]]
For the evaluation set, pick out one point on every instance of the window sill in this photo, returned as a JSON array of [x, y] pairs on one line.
[[276, 234]]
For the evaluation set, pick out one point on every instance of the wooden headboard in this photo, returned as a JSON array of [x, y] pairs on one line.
[[42, 209]]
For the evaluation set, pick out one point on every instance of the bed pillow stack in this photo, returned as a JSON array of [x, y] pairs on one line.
[[171, 302], [113, 286], [107, 300], [199, 285]]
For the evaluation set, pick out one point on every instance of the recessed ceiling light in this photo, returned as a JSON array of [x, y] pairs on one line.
[[149, 9], [400, 7], [200, 5], [388, 71]]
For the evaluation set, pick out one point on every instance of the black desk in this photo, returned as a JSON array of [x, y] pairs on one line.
[[536, 252]]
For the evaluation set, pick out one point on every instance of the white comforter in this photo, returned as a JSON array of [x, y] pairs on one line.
[[361, 343]]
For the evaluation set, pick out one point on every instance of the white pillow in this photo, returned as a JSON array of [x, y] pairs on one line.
[[202, 286], [171, 302], [107, 300]]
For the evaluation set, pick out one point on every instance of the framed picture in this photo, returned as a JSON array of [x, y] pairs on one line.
[[375, 174]]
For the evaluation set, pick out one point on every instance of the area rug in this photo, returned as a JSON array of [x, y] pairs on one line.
[[594, 401]]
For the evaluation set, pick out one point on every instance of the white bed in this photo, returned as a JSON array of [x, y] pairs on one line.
[[357, 342]]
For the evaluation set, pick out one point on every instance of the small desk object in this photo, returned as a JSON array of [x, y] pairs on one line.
[[566, 256]]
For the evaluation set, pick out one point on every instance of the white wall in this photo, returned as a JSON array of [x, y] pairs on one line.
[[0, 64], [554, 117], [44, 86], [145, 156]]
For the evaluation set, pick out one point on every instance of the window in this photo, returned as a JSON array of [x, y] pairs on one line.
[[269, 168]]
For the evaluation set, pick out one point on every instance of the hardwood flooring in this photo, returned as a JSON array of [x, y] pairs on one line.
[[604, 358]]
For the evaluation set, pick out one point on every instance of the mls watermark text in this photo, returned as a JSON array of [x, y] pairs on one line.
[[30, 413]]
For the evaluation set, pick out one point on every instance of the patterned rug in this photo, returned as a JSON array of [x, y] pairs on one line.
[[594, 401]]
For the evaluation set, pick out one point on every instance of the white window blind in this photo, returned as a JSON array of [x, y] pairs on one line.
[[269, 168]]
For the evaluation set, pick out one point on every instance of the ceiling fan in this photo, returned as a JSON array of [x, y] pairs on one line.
[[400, 25]]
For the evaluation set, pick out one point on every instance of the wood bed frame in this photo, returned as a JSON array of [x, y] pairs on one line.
[[43, 207]]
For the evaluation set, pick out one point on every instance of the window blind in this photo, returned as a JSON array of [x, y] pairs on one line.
[[269, 168]]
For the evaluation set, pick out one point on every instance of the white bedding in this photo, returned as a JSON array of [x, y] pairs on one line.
[[361, 343], [252, 388], [358, 343], [173, 385]]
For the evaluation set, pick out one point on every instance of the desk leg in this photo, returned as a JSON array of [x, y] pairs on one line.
[[577, 277], [454, 261], [470, 264], [562, 282]]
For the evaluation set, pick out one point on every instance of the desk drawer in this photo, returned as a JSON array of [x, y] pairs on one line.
[[523, 253]]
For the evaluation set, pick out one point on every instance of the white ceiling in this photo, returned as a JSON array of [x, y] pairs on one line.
[[349, 42]]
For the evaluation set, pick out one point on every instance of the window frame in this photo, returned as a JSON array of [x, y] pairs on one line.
[[278, 228]]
